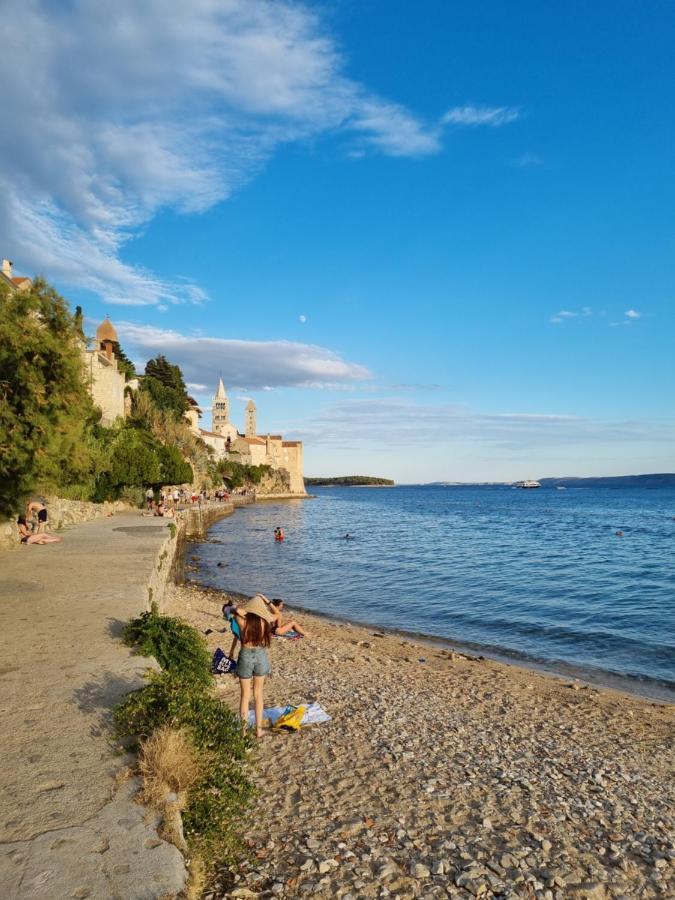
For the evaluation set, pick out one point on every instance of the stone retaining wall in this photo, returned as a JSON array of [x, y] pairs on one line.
[[61, 512], [189, 524]]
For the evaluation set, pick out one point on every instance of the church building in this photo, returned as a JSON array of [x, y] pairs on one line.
[[248, 448], [106, 382]]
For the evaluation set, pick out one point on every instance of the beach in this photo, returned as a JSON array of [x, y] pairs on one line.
[[444, 775]]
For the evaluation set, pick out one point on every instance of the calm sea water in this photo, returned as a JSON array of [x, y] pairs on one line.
[[534, 575]]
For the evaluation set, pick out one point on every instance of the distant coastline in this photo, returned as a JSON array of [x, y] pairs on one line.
[[658, 480], [350, 481]]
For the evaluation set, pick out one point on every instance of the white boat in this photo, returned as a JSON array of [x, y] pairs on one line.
[[527, 484]]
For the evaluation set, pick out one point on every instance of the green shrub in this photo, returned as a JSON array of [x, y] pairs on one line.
[[176, 646], [218, 801]]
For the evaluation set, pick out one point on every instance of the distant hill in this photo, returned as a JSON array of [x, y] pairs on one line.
[[618, 481], [350, 481]]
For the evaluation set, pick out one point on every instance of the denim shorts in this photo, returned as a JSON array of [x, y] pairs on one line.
[[253, 661]]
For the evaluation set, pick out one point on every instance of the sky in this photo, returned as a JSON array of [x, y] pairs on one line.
[[433, 243]]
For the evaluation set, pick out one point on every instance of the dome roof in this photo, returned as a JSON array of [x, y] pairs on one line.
[[250, 405], [106, 332]]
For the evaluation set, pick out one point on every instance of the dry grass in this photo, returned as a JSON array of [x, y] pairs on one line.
[[168, 764], [196, 879]]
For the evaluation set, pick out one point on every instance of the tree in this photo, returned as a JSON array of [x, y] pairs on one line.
[[124, 364], [164, 382], [46, 412]]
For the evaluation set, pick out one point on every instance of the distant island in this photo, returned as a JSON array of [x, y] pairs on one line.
[[350, 481], [614, 481]]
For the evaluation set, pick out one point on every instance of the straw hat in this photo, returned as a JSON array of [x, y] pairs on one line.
[[258, 605]]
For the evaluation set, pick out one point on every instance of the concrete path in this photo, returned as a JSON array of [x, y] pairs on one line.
[[67, 827]]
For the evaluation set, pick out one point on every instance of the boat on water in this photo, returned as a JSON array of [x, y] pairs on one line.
[[527, 484]]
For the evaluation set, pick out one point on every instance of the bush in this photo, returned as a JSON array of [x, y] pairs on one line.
[[181, 698], [176, 646]]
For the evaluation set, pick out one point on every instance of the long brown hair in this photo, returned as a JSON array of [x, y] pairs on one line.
[[256, 631]]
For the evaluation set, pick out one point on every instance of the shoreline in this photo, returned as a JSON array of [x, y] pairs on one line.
[[446, 775], [631, 684]]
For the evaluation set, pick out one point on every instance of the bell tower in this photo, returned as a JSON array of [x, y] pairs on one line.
[[251, 424], [220, 410]]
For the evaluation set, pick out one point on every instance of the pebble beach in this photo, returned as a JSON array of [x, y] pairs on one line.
[[445, 775]]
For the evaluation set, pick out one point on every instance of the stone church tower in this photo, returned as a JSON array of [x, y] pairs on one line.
[[220, 410], [250, 424]]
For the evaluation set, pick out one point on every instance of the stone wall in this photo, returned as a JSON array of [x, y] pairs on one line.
[[61, 512]]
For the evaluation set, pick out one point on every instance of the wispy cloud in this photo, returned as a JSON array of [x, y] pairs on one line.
[[245, 365], [492, 116], [528, 161], [386, 421], [560, 317], [632, 314], [112, 116]]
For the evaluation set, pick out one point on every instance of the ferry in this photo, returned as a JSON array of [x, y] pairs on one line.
[[527, 484]]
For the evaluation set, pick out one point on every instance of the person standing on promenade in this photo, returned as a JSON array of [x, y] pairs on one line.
[[37, 509], [255, 620], [149, 498]]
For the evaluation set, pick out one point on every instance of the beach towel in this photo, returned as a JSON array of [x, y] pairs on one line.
[[290, 635], [314, 714], [222, 664]]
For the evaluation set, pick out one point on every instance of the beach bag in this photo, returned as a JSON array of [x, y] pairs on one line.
[[291, 720], [222, 664]]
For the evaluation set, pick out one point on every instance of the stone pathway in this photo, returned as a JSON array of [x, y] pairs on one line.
[[68, 828]]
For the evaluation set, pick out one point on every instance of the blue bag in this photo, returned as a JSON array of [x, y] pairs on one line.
[[221, 664]]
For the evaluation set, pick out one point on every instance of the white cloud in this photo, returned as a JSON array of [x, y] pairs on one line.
[[387, 422], [112, 114], [492, 116], [247, 365], [571, 314], [302, 319], [632, 314]]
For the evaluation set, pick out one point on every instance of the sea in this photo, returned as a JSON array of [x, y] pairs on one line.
[[578, 581]]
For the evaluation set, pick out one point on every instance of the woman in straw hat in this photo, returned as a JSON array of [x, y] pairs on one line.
[[255, 620]]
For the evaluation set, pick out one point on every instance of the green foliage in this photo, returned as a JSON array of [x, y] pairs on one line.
[[239, 475], [180, 696], [46, 412], [124, 364], [164, 382], [351, 480], [175, 645]]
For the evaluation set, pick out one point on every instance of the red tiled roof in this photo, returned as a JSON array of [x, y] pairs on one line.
[[19, 280]]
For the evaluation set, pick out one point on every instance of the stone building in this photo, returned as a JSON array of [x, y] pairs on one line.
[[249, 448], [106, 382], [13, 282]]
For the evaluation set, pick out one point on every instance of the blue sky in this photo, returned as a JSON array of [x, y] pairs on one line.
[[432, 245]]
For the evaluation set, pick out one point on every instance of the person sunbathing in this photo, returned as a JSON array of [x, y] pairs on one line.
[[280, 627], [26, 536]]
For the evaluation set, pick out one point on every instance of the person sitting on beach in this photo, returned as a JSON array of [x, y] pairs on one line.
[[26, 536], [255, 621], [280, 627]]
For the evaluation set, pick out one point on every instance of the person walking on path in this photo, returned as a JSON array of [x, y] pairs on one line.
[[255, 620], [149, 498]]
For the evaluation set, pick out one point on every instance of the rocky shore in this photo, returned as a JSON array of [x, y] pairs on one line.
[[442, 775]]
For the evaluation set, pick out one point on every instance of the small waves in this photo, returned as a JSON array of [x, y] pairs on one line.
[[531, 575]]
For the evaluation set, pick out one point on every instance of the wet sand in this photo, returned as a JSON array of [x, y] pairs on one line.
[[447, 776]]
